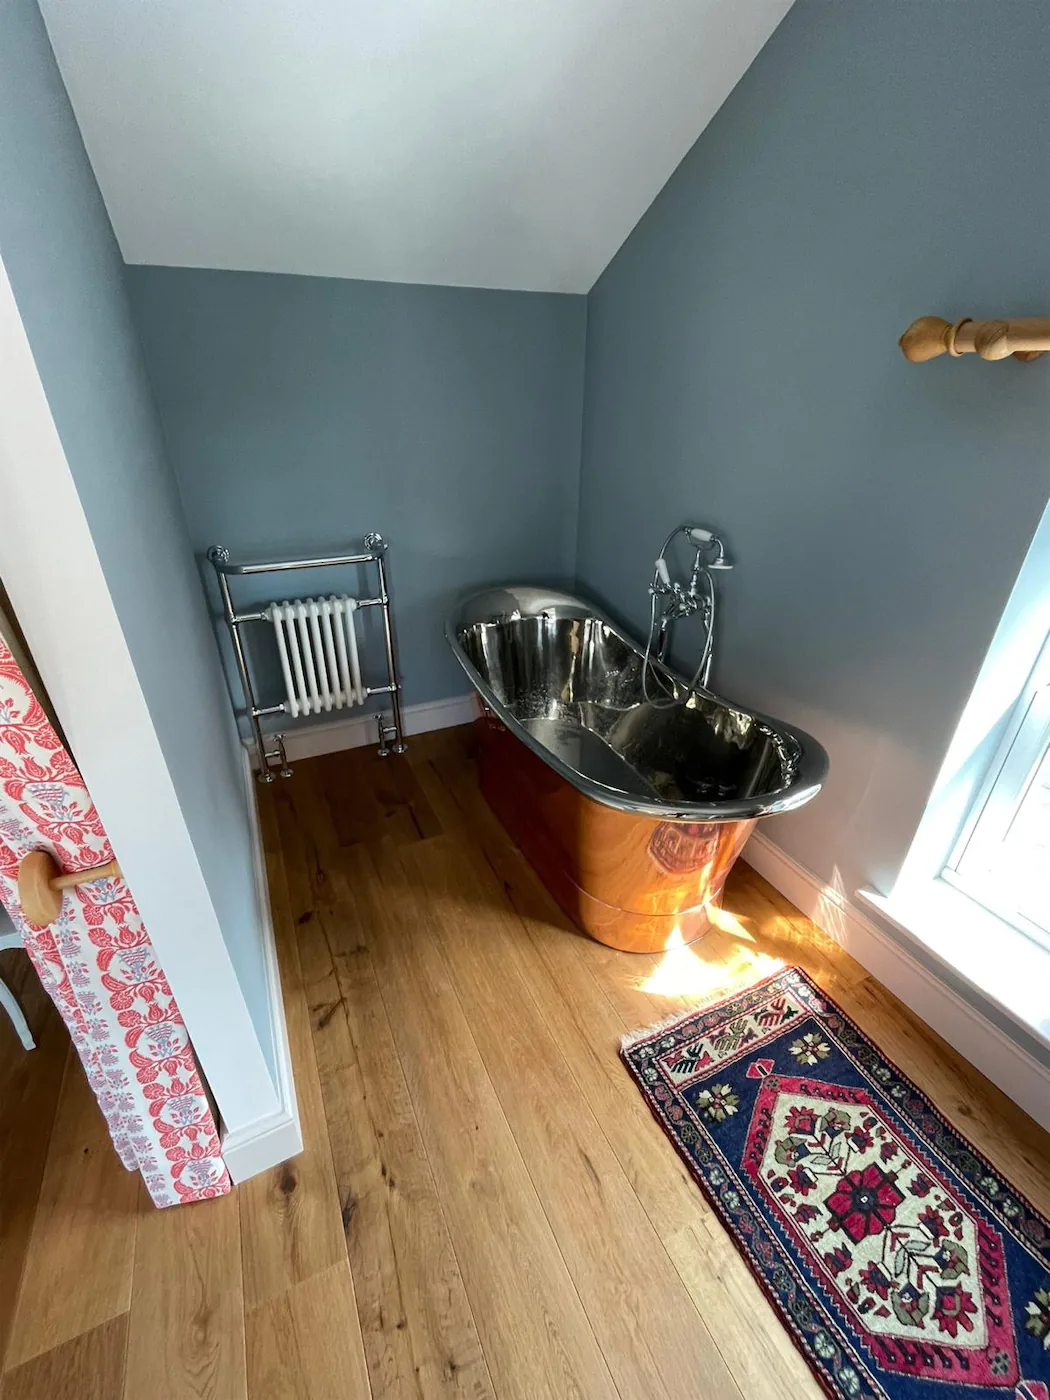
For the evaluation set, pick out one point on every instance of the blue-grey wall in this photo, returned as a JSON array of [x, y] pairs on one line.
[[67, 276], [877, 162], [301, 412]]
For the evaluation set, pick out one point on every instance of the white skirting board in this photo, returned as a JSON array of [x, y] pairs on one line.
[[961, 1023], [257, 1146], [354, 732]]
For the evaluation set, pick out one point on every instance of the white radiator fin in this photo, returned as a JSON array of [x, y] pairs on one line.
[[317, 644]]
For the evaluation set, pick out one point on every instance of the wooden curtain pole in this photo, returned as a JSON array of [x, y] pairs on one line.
[[930, 336], [40, 885]]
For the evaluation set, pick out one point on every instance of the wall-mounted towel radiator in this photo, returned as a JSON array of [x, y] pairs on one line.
[[316, 640]]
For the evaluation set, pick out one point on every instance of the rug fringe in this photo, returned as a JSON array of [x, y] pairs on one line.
[[632, 1037]]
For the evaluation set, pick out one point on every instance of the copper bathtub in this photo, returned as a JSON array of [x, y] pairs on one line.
[[631, 812]]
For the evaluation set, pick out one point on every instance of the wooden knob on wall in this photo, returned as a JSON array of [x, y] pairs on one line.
[[925, 339], [1026, 338], [40, 885]]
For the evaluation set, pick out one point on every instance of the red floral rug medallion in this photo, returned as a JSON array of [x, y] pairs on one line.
[[896, 1256]]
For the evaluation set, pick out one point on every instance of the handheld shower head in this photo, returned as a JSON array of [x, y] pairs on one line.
[[700, 536]]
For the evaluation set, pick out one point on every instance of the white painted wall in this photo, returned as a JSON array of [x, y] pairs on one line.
[[459, 142], [95, 555], [54, 579]]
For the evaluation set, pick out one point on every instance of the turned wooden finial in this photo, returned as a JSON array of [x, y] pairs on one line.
[[1025, 339], [925, 339]]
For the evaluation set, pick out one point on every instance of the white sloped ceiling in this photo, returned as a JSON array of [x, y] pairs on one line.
[[487, 143]]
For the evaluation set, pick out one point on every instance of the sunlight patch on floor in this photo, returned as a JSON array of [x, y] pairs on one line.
[[726, 922], [684, 971]]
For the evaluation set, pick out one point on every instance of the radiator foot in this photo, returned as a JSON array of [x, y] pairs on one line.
[[285, 769], [267, 773], [388, 733]]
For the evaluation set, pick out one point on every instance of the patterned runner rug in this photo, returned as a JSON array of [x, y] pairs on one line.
[[903, 1265]]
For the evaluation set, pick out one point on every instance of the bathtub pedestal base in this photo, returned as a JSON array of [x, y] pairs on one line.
[[623, 929], [630, 881]]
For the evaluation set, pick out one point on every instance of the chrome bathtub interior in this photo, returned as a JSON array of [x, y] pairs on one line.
[[682, 600], [569, 684]]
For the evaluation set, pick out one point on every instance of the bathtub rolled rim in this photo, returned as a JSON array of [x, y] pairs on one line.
[[512, 602]]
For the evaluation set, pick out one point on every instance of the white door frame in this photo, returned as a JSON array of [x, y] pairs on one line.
[[54, 578]]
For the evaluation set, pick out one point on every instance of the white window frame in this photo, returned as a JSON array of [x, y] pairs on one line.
[[972, 864]]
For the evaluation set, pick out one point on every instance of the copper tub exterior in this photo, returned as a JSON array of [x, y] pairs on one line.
[[631, 812]]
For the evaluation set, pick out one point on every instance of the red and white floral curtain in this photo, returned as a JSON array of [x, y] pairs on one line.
[[98, 965]]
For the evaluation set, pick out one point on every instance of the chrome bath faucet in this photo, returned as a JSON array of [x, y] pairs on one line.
[[683, 600]]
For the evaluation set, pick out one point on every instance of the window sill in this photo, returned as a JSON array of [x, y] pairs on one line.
[[999, 962]]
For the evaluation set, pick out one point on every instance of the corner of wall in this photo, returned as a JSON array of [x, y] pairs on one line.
[[578, 502]]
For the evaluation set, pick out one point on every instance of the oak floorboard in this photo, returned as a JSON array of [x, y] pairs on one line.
[[745, 1327], [455, 1049], [299, 1346], [533, 1328], [90, 1366], [290, 1216], [351, 804], [653, 1338], [186, 1325], [30, 1082], [419, 1333], [397, 791], [553, 962], [758, 932], [78, 1268], [372, 798]]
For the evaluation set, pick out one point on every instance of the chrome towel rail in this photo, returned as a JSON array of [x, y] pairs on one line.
[[391, 735]]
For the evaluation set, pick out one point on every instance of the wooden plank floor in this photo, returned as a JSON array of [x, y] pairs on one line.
[[485, 1207], [30, 1085]]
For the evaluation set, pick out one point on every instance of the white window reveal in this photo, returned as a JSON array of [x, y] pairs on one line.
[[1002, 858]]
